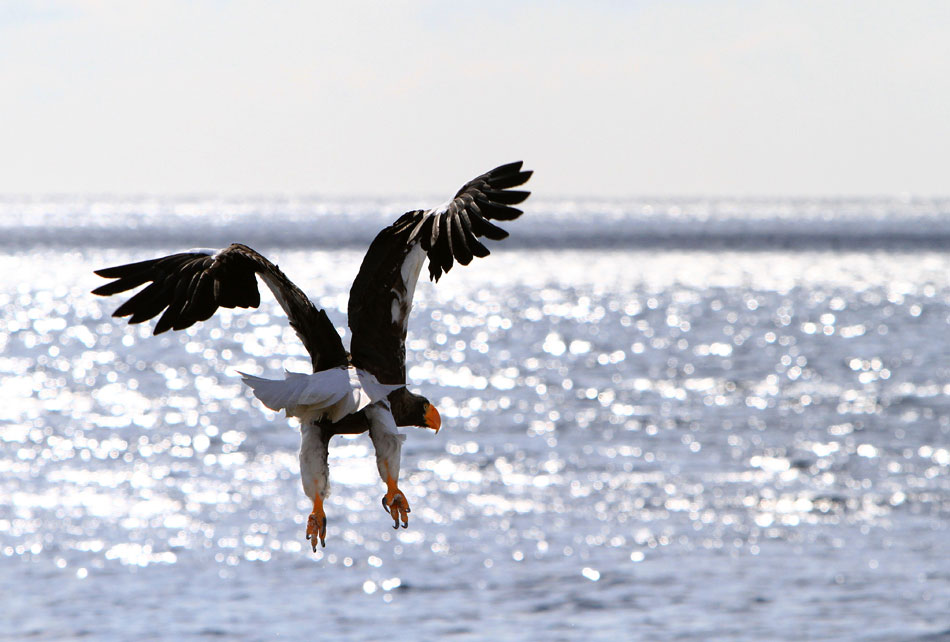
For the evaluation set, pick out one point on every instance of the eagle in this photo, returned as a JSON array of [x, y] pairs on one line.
[[352, 392]]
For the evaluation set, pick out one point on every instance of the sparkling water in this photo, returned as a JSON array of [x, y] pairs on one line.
[[672, 419]]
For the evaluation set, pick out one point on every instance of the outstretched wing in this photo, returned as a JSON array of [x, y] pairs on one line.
[[190, 286], [381, 296]]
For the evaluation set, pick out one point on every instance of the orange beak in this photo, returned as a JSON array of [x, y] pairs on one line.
[[433, 419]]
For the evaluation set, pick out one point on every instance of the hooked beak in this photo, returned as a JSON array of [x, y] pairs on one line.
[[433, 419]]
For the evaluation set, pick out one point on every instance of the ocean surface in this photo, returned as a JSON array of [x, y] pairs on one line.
[[662, 420]]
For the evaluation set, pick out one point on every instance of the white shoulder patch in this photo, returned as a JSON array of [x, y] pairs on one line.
[[274, 286], [441, 209], [409, 273], [203, 250], [377, 391]]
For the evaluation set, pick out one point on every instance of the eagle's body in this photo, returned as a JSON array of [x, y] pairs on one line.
[[347, 392]]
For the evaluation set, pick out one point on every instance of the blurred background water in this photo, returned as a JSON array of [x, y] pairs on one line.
[[663, 419]]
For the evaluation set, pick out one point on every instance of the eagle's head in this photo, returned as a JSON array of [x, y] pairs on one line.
[[410, 409]]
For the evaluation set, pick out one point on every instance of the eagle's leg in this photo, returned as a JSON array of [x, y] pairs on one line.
[[388, 443], [315, 476], [317, 524]]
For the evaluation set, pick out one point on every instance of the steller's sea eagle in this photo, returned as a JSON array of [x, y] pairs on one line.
[[353, 392]]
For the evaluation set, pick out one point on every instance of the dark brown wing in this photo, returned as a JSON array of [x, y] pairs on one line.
[[381, 296], [190, 286]]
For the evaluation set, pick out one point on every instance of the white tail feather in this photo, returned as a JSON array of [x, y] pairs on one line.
[[332, 394]]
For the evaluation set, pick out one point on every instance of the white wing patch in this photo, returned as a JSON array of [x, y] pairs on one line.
[[203, 250], [441, 209], [329, 394], [409, 273], [275, 288]]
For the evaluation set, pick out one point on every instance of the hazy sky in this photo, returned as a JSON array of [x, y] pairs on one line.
[[396, 97]]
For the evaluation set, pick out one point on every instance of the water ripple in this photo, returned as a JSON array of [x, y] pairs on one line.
[[635, 435]]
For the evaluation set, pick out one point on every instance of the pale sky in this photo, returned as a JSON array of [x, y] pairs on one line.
[[601, 98]]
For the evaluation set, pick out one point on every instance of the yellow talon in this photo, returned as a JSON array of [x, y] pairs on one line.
[[396, 504], [317, 525]]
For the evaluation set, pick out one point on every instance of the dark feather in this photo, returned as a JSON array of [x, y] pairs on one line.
[[171, 317], [481, 227], [510, 180], [121, 285], [190, 286], [378, 315], [425, 233], [445, 239], [459, 246], [147, 303], [199, 295], [508, 197], [127, 270], [434, 233], [498, 212], [476, 248]]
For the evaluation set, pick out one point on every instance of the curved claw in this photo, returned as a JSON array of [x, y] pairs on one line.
[[317, 529], [396, 504]]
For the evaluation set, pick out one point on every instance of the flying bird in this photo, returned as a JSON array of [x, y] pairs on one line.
[[347, 392]]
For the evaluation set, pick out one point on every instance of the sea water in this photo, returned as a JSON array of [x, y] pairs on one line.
[[662, 419]]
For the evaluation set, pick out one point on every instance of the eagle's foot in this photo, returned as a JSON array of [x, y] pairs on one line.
[[396, 504], [317, 528]]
